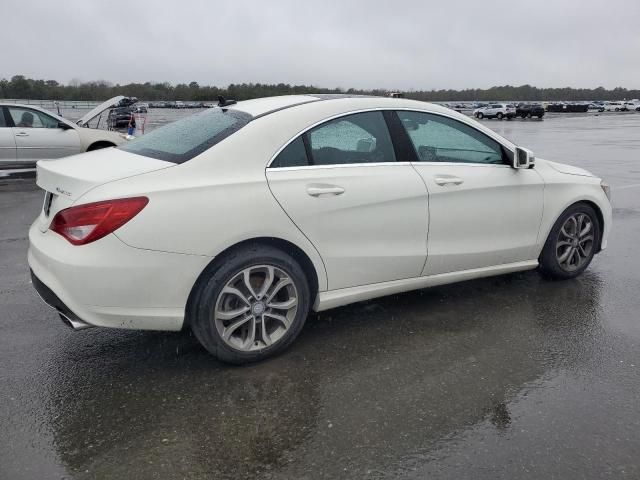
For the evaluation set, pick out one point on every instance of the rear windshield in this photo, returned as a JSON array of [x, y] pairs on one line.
[[182, 140]]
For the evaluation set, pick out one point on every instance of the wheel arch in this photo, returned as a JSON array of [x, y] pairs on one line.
[[590, 203], [286, 246], [98, 144], [600, 216]]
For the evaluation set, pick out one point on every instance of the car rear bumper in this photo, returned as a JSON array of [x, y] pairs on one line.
[[69, 318], [110, 284]]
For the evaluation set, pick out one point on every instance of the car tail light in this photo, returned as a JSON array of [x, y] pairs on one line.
[[89, 222]]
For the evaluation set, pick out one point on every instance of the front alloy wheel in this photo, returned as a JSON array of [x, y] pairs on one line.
[[575, 242], [572, 243]]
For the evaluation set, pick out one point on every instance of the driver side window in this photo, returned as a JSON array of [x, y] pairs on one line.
[[27, 118], [441, 139]]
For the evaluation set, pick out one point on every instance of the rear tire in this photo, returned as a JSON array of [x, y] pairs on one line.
[[250, 306], [572, 243]]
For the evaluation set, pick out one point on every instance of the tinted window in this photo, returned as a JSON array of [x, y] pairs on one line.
[[357, 138], [27, 118], [182, 140], [441, 139], [2, 121], [294, 155]]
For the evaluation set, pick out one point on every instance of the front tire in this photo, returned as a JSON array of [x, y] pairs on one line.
[[480, 116], [500, 115], [251, 306], [572, 243]]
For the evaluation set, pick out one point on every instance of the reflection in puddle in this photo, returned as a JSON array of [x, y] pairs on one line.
[[373, 387]]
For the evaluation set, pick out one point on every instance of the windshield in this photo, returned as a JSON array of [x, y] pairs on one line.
[[180, 141]]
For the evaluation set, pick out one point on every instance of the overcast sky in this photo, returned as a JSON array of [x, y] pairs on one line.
[[404, 44]]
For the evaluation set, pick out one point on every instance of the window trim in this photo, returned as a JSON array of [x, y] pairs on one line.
[[507, 151]]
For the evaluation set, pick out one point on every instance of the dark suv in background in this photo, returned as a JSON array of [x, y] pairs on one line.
[[525, 110]]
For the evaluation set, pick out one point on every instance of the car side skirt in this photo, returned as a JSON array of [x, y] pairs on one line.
[[344, 296]]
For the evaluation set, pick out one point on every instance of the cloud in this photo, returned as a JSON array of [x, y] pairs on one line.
[[349, 43]]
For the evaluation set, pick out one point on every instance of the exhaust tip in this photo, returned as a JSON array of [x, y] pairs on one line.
[[73, 324]]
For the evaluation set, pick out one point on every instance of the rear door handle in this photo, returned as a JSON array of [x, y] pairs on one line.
[[321, 190], [448, 180], [22, 134]]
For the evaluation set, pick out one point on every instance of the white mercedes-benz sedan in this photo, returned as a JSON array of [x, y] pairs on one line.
[[237, 221]]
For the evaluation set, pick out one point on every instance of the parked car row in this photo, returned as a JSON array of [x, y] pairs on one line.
[[620, 106], [180, 104]]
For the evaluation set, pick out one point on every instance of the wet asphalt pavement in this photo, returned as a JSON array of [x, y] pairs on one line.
[[503, 378]]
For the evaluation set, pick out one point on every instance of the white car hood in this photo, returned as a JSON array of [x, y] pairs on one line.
[[112, 102], [568, 169]]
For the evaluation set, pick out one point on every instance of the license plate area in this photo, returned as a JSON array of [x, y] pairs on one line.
[[46, 206]]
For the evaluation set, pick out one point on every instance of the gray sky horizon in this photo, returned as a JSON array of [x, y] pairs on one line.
[[415, 45]]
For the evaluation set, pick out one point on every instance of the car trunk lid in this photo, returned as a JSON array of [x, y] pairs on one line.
[[66, 180]]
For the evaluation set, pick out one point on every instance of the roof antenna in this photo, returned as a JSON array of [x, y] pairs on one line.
[[222, 102]]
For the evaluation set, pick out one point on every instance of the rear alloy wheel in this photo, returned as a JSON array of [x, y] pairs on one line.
[[256, 308], [500, 115], [252, 306], [572, 243]]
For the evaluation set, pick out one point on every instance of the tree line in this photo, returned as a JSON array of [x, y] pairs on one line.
[[20, 87]]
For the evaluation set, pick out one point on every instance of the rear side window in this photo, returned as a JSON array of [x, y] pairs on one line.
[[3, 123], [356, 138], [180, 141], [293, 155]]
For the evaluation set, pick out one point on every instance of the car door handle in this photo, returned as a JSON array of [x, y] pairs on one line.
[[448, 180], [22, 134], [319, 190]]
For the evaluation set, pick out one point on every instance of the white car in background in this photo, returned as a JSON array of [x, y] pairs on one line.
[[29, 133], [614, 106], [237, 221], [496, 110]]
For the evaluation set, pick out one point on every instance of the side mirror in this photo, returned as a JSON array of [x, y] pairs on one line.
[[64, 126], [523, 158]]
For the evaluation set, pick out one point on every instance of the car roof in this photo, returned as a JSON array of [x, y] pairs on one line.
[[260, 107]]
